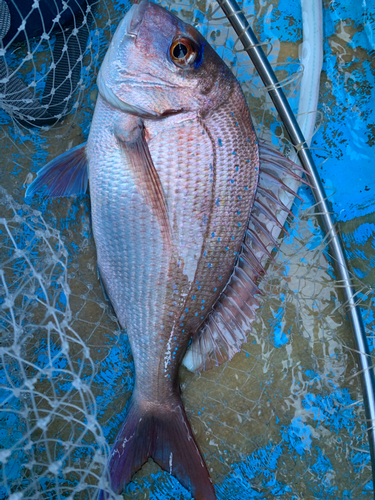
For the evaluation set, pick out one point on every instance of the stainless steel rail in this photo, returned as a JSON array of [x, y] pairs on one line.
[[262, 65]]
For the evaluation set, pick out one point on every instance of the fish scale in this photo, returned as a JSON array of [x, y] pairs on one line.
[[229, 182]]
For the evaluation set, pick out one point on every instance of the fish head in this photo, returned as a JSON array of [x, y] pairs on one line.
[[158, 65]]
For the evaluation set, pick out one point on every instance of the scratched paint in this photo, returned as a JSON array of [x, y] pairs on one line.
[[284, 418]]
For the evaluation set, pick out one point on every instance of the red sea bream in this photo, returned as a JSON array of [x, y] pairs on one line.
[[182, 216]]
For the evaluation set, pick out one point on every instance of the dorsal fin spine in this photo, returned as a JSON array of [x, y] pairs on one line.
[[240, 273], [279, 182], [245, 259], [249, 250], [257, 223], [272, 197], [255, 238]]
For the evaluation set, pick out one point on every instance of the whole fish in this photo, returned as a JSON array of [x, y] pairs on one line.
[[173, 164]]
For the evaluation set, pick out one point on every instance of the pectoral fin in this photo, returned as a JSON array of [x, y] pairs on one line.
[[130, 132], [66, 175]]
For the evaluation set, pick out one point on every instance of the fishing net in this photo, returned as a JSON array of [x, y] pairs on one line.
[[285, 417]]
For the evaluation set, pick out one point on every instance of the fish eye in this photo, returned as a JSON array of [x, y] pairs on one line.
[[183, 52]]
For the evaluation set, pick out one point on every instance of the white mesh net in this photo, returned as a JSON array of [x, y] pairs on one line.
[[45, 43], [52, 444], [284, 418]]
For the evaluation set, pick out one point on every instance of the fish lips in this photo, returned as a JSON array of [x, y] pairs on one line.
[[128, 27], [110, 97]]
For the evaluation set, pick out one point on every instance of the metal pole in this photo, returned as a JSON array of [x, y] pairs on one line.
[[251, 44]]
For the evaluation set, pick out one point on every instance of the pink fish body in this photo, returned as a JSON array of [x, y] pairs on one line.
[[173, 165], [168, 233]]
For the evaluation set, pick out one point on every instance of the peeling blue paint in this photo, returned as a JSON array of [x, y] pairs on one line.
[[346, 122], [261, 467]]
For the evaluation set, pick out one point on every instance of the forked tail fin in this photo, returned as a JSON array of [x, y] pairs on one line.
[[163, 433]]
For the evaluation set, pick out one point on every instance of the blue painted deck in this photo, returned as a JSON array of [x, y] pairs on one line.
[[284, 418]]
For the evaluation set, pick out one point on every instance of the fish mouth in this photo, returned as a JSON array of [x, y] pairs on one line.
[[110, 98], [130, 27]]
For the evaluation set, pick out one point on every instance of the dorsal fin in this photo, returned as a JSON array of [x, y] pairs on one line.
[[226, 327]]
